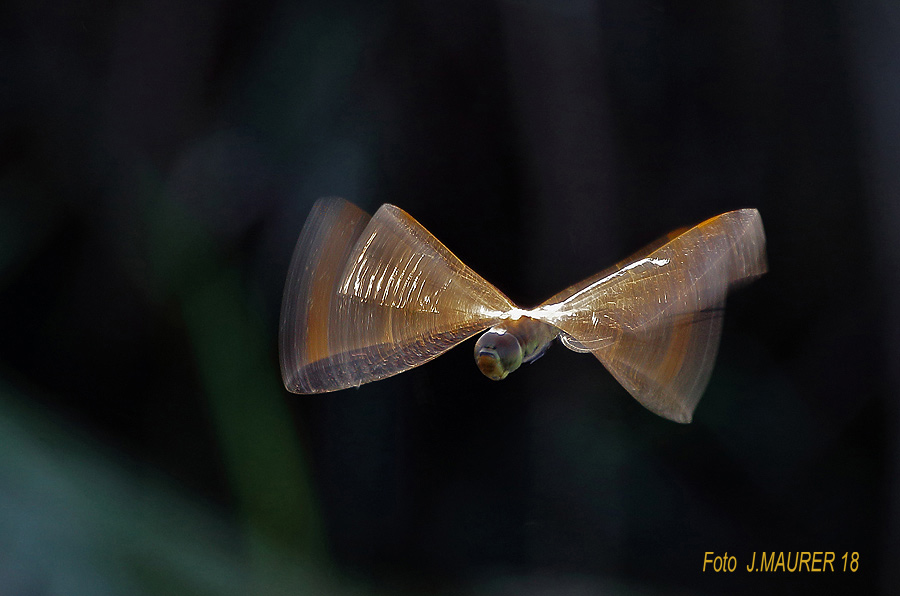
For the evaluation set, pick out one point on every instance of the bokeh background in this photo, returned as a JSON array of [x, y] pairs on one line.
[[157, 162]]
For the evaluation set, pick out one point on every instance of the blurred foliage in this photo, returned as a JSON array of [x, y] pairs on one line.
[[257, 434], [76, 520]]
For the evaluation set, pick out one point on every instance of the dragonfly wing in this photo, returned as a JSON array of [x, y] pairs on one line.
[[654, 321], [643, 252], [370, 298], [667, 366]]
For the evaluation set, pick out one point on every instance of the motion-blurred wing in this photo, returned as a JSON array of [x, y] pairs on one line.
[[643, 252], [654, 321], [367, 299]]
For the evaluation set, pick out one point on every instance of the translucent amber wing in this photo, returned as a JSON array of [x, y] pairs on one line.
[[325, 243], [643, 252], [655, 321], [365, 303]]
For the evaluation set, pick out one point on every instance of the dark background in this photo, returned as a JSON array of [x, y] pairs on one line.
[[158, 159]]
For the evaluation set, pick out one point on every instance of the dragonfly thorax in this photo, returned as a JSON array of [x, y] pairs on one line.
[[503, 348]]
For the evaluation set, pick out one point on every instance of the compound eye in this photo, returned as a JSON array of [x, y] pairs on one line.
[[497, 354]]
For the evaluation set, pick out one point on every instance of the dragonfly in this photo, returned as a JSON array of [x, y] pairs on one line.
[[369, 297]]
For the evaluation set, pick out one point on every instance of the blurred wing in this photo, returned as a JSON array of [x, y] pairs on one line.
[[367, 299], [654, 321], [643, 252]]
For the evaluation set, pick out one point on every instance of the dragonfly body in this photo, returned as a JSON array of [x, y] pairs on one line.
[[504, 347], [370, 297]]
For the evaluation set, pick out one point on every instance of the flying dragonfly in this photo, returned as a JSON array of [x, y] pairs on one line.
[[370, 297]]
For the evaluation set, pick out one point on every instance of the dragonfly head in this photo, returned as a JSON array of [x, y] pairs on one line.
[[497, 353]]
